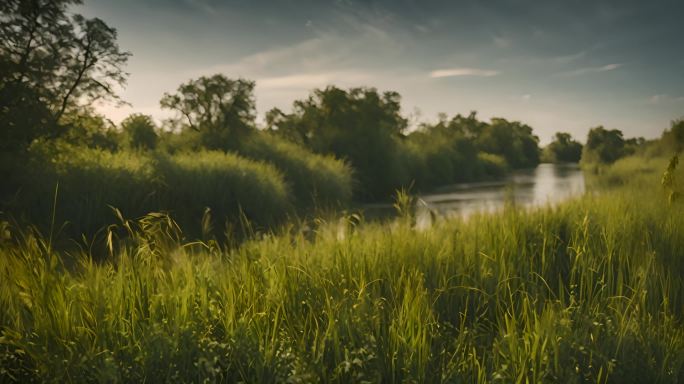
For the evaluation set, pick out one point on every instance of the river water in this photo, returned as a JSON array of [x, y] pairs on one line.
[[545, 184]]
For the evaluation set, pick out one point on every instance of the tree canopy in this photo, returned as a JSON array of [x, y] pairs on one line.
[[140, 131], [359, 125], [222, 110], [673, 138], [51, 62], [603, 145], [563, 149]]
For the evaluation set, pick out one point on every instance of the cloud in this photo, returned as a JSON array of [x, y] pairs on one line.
[[665, 99], [451, 72], [202, 6], [655, 99], [421, 28], [360, 46], [587, 70], [312, 80], [502, 42], [305, 53], [564, 59]]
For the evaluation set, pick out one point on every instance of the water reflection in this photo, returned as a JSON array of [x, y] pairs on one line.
[[548, 183], [545, 184]]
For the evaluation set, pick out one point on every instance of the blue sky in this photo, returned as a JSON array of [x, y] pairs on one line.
[[555, 65]]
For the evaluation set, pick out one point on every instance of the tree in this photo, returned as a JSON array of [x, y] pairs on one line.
[[512, 140], [57, 61], [140, 131], [23, 117], [85, 127], [222, 110], [359, 125], [604, 146], [563, 149], [673, 138], [96, 66]]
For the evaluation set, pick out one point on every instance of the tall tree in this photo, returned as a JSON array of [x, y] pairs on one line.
[[51, 62], [95, 65], [360, 125], [563, 149], [511, 139], [603, 145], [673, 138], [140, 131], [222, 110]]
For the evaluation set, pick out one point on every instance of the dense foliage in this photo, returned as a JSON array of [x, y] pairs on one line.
[[140, 132], [608, 145], [589, 291], [367, 129], [51, 63], [78, 188], [673, 138], [563, 149], [221, 110]]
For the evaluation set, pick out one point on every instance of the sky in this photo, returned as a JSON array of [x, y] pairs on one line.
[[555, 65]]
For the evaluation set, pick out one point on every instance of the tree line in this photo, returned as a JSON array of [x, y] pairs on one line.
[[53, 66]]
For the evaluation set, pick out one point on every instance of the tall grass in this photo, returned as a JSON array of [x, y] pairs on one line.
[[588, 291], [91, 181], [315, 179]]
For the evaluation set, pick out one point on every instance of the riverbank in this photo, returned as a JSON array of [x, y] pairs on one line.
[[545, 184], [590, 290]]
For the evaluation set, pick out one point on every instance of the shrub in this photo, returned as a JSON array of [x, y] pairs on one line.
[[315, 179], [91, 180], [227, 183], [140, 131], [492, 165]]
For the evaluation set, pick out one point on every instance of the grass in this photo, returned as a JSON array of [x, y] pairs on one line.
[[591, 290], [267, 182], [90, 181], [314, 179]]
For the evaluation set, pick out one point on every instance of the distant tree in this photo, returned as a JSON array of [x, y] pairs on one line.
[[447, 150], [512, 140], [140, 131], [360, 125], [287, 127], [470, 125], [673, 138], [220, 109], [563, 149], [85, 127], [54, 61], [604, 146]]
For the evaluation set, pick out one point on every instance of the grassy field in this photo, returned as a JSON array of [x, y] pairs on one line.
[[591, 290]]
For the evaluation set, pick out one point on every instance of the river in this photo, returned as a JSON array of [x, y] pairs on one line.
[[545, 184]]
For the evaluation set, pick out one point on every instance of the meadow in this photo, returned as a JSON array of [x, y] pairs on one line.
[[211, 241], [591, 290]]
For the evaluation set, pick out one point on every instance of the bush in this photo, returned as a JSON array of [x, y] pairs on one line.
[[140, 131], [563, 149], [228, 184], [673, 138], [315, 179], [492, 165], [91, 180]]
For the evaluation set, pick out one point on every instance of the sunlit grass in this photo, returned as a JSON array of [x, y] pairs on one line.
[[591, 290]]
